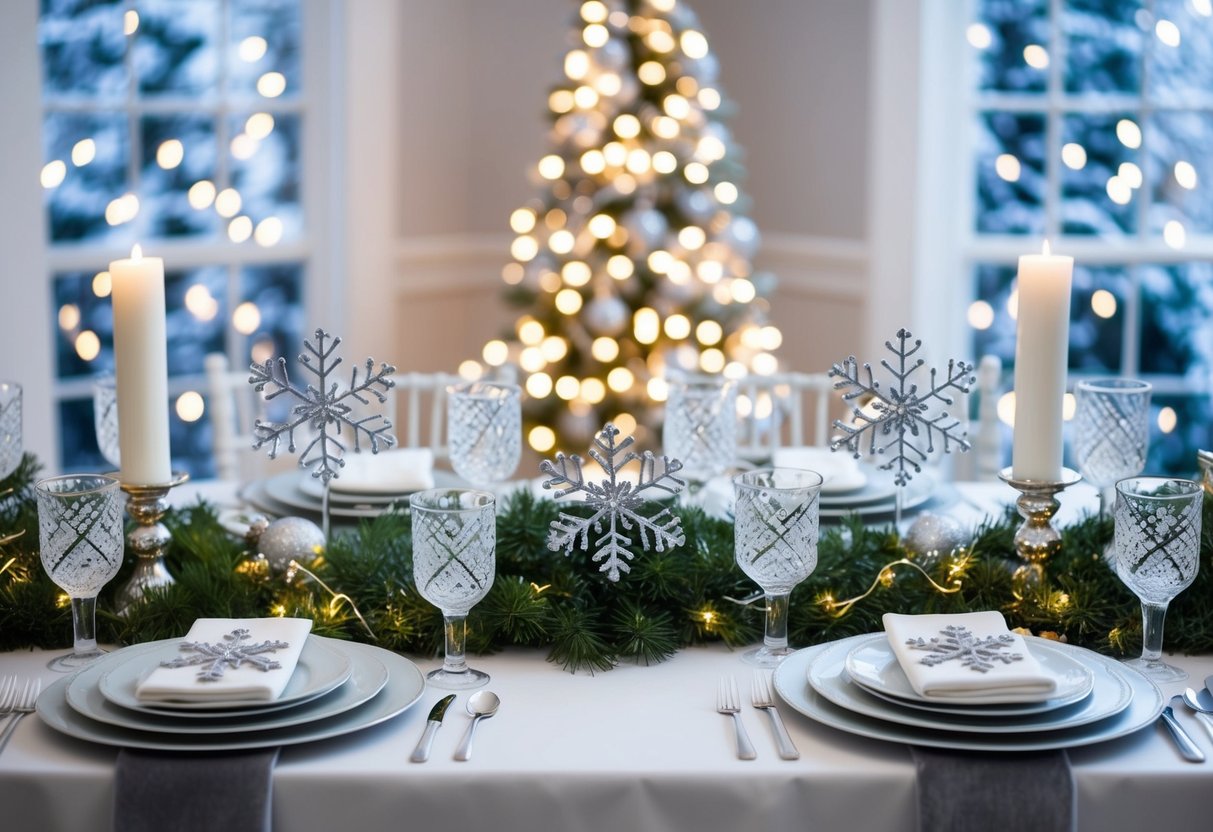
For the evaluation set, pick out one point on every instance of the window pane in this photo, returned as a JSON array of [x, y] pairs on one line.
[[994, 330], [192, 442], [268, 179], [94, 150], [196, 303], [1190, 419], [1011, 180], [1098, 197], [1181, 171], [1177, 321], [175, 49], [1097, 310], [271, 315], [1181, 52], [78, 443], [82, 46], [178, 152], [84, 341], [1103, 46], [1016, 59], [265, 38]]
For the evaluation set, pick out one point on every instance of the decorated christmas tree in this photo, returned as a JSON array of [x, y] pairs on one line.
[[633, 261]]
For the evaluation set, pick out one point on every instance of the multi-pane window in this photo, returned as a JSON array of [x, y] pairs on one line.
[[1091, 126], [177, 125]]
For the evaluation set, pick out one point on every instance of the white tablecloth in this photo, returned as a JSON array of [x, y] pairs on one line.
[[634, 748]]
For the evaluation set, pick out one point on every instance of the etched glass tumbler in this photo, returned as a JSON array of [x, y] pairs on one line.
[[80, 531], [1157, 555], [1111, 432], [454, 562], [701, 425], [484, 426], [11, 448], [775, 544], [105, 419]]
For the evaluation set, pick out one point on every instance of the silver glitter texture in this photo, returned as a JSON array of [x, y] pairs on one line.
[[959, 644], [215, 659]]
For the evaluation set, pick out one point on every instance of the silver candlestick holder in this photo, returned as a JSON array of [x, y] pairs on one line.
[[146, 505], [1037, 539]]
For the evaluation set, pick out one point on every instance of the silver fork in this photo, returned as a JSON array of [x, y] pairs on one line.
[[21, 704], [729, 702], [763, 698]]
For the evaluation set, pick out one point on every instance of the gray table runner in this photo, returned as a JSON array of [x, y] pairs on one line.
[[200, 792], [960, 791]]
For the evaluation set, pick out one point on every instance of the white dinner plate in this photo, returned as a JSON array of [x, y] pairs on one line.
[[875, 486], [828, 676], [404, 687], [872, 664], [322, 666], [367, 679], [284, 488], [256, 494], [313, 487], [916, 492], [792, 685]]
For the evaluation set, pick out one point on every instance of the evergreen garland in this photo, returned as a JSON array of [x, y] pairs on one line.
[[688, 595]]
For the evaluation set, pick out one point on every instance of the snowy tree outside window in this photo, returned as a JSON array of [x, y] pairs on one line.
[[178, 125], [1090, 124]]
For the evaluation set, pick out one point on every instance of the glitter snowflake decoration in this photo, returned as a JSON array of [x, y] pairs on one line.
[[322, 407], [214, 659], [898, 417], [615, 502], [959, 644]]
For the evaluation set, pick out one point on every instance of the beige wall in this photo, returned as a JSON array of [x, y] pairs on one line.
[[473, 80]]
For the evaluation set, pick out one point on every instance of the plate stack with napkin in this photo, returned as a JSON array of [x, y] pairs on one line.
[[966, 682]]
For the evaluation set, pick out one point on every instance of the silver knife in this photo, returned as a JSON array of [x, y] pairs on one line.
[[1187, 746], [422, 752]]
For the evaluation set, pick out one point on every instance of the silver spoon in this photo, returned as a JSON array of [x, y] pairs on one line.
[[481, 705], [1201, 701]]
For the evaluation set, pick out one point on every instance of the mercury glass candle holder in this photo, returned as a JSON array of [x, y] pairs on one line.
[[149, 540], [1037, 539]]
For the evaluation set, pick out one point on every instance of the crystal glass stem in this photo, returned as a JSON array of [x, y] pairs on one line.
[[455, 628], [84, 627], [775, 637], [1152, 617]]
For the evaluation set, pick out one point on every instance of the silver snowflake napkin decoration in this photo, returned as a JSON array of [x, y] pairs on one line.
[[616, 503], [323, 407], [961, 645], [901, 420], [232, 652]]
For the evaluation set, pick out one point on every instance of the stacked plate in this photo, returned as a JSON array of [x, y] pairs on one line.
[[873, 493], [857, 686], [337, 687], [298, 493]]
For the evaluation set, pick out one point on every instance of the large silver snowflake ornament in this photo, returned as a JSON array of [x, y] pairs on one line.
[[616, 503], [961, 645], [233, 651], [323, 407], [897, 418]]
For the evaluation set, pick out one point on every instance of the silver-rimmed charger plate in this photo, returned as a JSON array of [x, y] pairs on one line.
[[322, 667], [828, 677], [367, 678], [873, 665], [404, 687], [913, 494], [792, 685], [284, 489], [313, 487]]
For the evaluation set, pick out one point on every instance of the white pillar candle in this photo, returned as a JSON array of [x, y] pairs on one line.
[[141, 368], [1041, 357]]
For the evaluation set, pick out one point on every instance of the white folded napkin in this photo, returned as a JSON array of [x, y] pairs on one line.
[[969, 654], [839, 470], [401, 471], [232, 664]]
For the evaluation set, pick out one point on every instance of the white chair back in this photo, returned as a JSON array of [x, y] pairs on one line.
[[418, 411], [234, 407], [782, 410]]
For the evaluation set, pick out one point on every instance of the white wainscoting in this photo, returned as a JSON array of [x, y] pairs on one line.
[[449, 300]]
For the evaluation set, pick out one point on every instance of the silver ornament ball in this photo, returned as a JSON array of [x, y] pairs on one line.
[[290, 538], [606, 315], [932, 536]]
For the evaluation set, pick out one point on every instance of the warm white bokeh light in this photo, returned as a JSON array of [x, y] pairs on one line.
[[170, 153], [190, 406], [1103, 303], [84, 152], [88, 345], [981, 315], [271, 84], [1074, 156], [1007, 167], [246, 318]]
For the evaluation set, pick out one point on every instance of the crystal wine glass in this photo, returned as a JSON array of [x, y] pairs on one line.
[[80, 530], [1111, 432], [11, 448], [1157, 555], [484, 423], [454, 560], [701, 425], [775, 537], [105, 419]]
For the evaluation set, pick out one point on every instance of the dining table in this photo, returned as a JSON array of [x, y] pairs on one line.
[[635, 747]]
